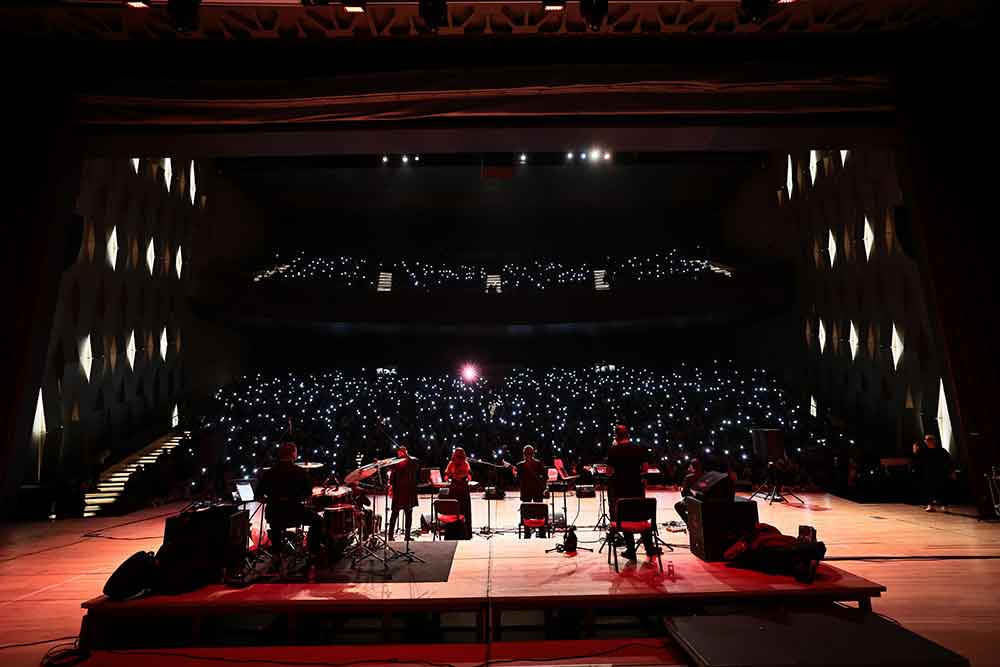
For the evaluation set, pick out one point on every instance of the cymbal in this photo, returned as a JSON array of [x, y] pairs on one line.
[[310, 465], [366, 471]]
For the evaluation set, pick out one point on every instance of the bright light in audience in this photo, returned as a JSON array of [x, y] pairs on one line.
[[569, 156], [385, 158], [470, 373]]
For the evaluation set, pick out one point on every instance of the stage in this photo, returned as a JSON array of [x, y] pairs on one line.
[[505, 591]]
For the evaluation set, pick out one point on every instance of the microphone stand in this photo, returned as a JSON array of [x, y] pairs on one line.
[[487, 530]]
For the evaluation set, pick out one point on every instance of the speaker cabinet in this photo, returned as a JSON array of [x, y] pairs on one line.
[[713, 526]]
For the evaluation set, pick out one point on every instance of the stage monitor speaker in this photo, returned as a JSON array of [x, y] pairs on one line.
[[768, 443], [136, 575], [713, 527], [494, 493], [714, 486], [200, 545]]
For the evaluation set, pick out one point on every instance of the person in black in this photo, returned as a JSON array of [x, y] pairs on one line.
[[694, 473], [403, 485], [532, 477], [937, 468], [628, 461], [284, 488]]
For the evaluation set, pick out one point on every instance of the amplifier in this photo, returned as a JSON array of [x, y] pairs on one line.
[[585, 491], [713, 526]]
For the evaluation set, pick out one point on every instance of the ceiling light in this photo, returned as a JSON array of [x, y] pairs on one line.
[[554, 5], [434, 13], [594, 12], [354, 6]]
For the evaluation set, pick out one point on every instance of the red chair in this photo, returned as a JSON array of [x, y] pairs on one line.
[[636, 516], [534, 516], [446, 512]]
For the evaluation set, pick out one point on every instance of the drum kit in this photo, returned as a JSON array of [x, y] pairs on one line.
[[352, 529]]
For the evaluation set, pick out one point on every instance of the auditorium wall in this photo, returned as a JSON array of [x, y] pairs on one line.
[[125, 353], [841, 217]]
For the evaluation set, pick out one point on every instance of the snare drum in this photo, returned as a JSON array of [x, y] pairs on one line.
[[339, 520]]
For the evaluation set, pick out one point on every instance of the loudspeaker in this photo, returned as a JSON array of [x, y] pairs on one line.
[[136, 575], [713, 527], [714, 486], [494, 493], [585, 491], [199, 546], [768, 443]]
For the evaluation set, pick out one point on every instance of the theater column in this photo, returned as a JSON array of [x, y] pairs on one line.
[[43, 180], [949, 185]]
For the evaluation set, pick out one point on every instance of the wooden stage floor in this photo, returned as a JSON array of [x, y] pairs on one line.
[[948, 595]]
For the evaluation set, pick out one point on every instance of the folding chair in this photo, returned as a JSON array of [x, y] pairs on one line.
[[636, 516], [446, 512], [534, 516]]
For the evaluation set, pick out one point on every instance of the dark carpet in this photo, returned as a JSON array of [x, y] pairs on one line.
[[438, 557]]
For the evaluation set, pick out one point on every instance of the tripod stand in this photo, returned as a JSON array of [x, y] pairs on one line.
[[487, 530], [771, 489]]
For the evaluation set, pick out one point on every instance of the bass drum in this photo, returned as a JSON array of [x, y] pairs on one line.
[[339, 520]]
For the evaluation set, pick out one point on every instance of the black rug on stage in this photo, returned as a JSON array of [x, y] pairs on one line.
[[438, 557]]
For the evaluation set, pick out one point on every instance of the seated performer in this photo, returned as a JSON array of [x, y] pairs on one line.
[[628, 461], [403, 486], [284, 488], [532, 477], [694, 473], [459, 473]]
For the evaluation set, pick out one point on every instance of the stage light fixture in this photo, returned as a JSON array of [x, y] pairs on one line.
[[757, 11], [554, 5], [354, 6], [594, 12], [405, 159], [138, 4], [583, 156], [595, 154], [416, 158], [184, 15], [385, 158], [434, 13], [607, 155], [569, 156]]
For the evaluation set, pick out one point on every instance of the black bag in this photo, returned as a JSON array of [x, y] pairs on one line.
[[138, 574]]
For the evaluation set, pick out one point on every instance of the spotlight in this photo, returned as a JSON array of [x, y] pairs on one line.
[[354, 6], [385, 158], [594, 12], [434, 13], [756, 11], [595, 154], [405, 159], [416, 158], [583, 156], [138, 4], [184, 14], [569, 156], [524, 158], [607, 155], [470, 373], [554, 5]]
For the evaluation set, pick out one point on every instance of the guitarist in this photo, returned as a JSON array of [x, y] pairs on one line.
[[532, 477]]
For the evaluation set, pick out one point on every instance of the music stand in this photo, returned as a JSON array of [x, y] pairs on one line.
[[487, 530]]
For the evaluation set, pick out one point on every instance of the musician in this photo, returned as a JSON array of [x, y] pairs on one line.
[[628, 461], [403, 486], [694, 472], [459, 473], [285, 487], [532, 477]]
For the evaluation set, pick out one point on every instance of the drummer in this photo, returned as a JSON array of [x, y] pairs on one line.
[[403, 487], [285, 487]]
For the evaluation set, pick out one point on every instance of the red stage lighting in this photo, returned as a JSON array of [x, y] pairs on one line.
[[470, 373]]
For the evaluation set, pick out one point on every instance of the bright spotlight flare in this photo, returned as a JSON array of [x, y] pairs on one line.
[[470, 373]]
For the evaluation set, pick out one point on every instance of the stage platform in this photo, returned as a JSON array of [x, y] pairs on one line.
[[940, 572], [490, 583]]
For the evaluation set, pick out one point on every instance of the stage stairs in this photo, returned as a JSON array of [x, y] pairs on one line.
[[112, 481]]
